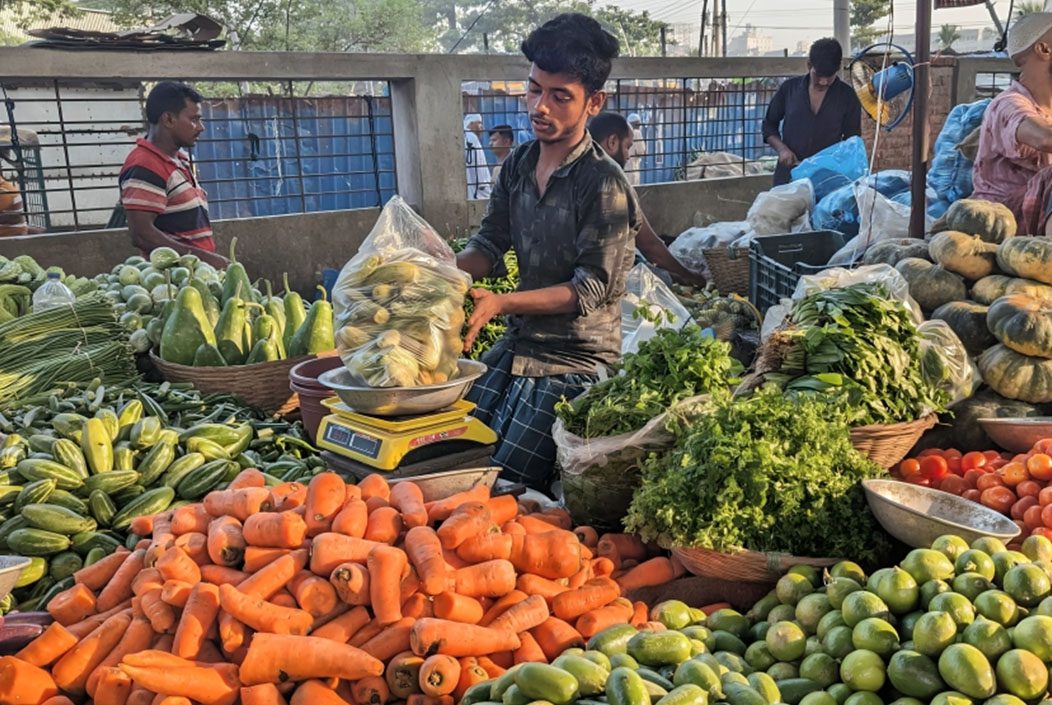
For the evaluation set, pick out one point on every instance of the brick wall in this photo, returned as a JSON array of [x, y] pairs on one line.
[[894, 150]]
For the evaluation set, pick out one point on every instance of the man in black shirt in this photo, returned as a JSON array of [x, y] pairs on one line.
[[811, 112], [571, 218]]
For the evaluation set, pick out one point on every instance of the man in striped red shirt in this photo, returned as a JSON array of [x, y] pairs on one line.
[[165, 205]]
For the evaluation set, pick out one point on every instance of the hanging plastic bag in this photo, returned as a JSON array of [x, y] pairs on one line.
[[689, 248], [945, 361], [779, 210], [398, 304], [847, 158], [659, 308], [879, 219]]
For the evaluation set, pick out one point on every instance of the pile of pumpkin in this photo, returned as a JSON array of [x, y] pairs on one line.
[[992, 287]]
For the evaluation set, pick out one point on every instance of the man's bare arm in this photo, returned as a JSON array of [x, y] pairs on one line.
[[146, 236], [655, 250], [1036, 133]]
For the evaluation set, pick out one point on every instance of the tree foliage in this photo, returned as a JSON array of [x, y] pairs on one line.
[[948, 34], [864, 14], [1027, 7]]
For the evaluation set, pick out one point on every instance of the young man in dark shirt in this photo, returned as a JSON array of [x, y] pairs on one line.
[[811, 112], [571, 218]]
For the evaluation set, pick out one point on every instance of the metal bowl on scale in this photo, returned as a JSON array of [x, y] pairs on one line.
[[402, 401]]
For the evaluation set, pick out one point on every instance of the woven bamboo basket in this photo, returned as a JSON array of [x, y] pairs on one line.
[[743, 566], [729, 267], [264, 385], [887, 444]]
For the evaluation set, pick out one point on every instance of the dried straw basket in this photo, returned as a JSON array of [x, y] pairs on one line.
[[743, 566], [264, 385], [729, 268], [887, 444]]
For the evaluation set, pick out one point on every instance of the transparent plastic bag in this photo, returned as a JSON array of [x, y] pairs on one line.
[[879, 219], [398, 304], [847, 158], [689, 248], [945, 362], [643, 289], [779, 210]]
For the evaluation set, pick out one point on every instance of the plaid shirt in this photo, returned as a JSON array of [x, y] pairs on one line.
[[581, 231]]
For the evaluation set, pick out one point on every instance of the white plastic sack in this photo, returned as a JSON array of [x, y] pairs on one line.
[[643, 289], [946, 363], [689, 247], [782, 209], [398, 305], [880, 218]]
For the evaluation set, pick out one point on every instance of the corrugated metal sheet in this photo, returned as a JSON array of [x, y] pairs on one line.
[[86, 20]]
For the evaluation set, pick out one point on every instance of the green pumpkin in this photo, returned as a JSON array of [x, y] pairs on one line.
[[991, 288], [931, 285], [1023, 324], [1028, 257], [993, 222], [968, 320], [1017, 376], [967, 255], [891, 252], [961, 428]]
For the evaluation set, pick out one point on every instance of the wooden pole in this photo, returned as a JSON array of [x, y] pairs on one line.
[[701, 35], [921, 136]]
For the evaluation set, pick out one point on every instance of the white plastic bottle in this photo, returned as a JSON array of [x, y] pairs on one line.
[[52, 294]]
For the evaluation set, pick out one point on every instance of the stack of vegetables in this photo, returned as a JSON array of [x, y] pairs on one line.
[[77, 468], [330, 593], [726, 315], [503, 281], [21, 276]]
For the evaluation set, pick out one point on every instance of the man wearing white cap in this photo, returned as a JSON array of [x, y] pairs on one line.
[[478, 173], [1015, 140], [638, 150]]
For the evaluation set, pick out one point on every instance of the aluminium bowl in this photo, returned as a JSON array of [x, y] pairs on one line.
[[10, 568], [402, 401], [917, 515], [1017, 434]]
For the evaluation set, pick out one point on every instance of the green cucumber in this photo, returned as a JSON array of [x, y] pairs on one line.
[[150, 502], [591, 677], [182, 467], [124, 457], [208, 448], [95, 555], [478, 693], [35, 492], [40, 443], [37, 542], [613, 640], [60, 520], [203, 480], [37, 469], [688, 694], [540, 681], [9, 494], [33, 572], [111, 482], [154, 463], [69, 454], [659, 648], [128, 494], [503, 682], [625, 687], [102, 507], [62, 498], [65, 564], [84, 542], [12, 524], [655, 677]]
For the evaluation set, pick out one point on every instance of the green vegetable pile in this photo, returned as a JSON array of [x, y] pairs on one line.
[[673, 365], [765, 472], [858, 344], [21, 276], [496, 328]]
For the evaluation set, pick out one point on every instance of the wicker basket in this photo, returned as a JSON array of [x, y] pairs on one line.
[[729, 267], [264, 385], [887, 444], [743, 566]]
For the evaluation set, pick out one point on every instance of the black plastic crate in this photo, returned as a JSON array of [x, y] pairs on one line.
[[776, 263]]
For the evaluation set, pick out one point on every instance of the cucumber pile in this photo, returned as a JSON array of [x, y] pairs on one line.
[[77, 470]]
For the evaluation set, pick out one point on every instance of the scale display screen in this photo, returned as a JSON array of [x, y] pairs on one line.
[[355, 441]]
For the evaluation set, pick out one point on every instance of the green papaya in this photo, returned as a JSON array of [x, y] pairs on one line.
[[263, 351], [230, 330], [274, 306], [315, 334], [266, 327], [236, 284], [208, 356], [209, 302], [186, 329], [295, 313]]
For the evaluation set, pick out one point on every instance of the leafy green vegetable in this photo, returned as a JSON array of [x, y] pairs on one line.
[[859, 344], [673, 365], [765, 472], [497, 327]]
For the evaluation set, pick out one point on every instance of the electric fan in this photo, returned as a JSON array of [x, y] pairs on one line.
[[886, 95]]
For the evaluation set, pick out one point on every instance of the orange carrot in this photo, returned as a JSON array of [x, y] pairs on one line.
[[221, 575], [97, 575], [536, 585], [157, 658], [273, 658], [591, 623], [343, 627], [431, 636], [374, 503], [490, 667], [418, 606], [602, 566], [439, 675], [175, 564], [554, 554], [503, 508], [485, 547], [239, 503], [72, 670], [556, 636], [501, 605], [351, 581], [393, 640], [374, 485], [275, 575], [530, 650], [558, 516], [425, 552], [86, 626], [315, 692], [233, 634], [458, 608], [195, 546], [352, 519], [640, 615], [257, 558], [214, 685], [384, 525], [326, 494], [587, 536], [421, 699], [47, 648], [249, 477], [147, 579], [226, 543], [578, 579], [114, 686], [592, 595], [330, 550], [365, 634], [72, 605], [386, 566], [275, 530], [656, 571], [371, 691], [197, 619], [626, 546], [140, 696], [263, 694], [287, 496], [136, 639], [142, 525], [442, 509], [261, 615], [58, 700], [313, 594], [489, 579], [468, 520], [192, 518], [525, 615], [471, 673], [513, 528], [171, 700], [407, 498], [403, 675], [21, 682], [160, 614]]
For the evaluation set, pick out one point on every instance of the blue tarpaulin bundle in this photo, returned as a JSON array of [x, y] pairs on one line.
[[950, 177]]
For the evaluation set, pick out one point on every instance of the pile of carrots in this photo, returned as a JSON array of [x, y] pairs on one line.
[[328, 594]]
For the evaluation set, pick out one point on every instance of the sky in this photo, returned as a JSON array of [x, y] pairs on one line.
[[792, 21]]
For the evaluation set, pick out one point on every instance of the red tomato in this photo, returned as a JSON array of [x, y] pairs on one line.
[[1045, 496], [987, 481], [992, 454], [1013, 474], [1000, 499], [1044, 446], [1028, 488], [1046, 515], [1040, 466], [972, 495], [934, 467], [909, 469], [1042, 531], [955, 466], [930, 451], [973, 461], [951, 453], [1032, 517], [972, 477], [953, 484], [1020, 507]]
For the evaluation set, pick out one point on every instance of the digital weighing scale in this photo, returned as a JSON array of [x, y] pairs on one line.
[[396, 443]]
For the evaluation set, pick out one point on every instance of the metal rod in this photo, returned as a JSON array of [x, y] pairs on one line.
[[65, 149], [921, 135], [701, 34]]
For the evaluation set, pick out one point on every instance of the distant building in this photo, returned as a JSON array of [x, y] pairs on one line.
[[972, 40], [750, 43], [683, 39]]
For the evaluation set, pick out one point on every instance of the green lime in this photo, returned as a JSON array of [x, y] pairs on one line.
[[950, 545], [838, 643], [758, 631], [813, 646], [847, 569], [931, 589], [989, 545], [672, 613], [864, 698], [951, 697], [1035, 635], [863, 670], [964, 668], [933, 632], [759, 656], [956, 605], [840, 692], [809, 572], [786, 641], [975, 561], [811, 609], [1004, 562], [1022, 674], [765, 686], [925, 564], [998, 606], [860, 605], [762, 608], [821, 668], [1027, 584], [783, 671], [820, 697], [907, 623], [1004, 699], [733, 677], [897, 588], [793, 587], [906, 701], [1037, 548], [728, 620], [1045, 608], [988, 636], [971, 585], [876, 635], [830, 620], [782, 613], [839, 588], [915, 675]]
